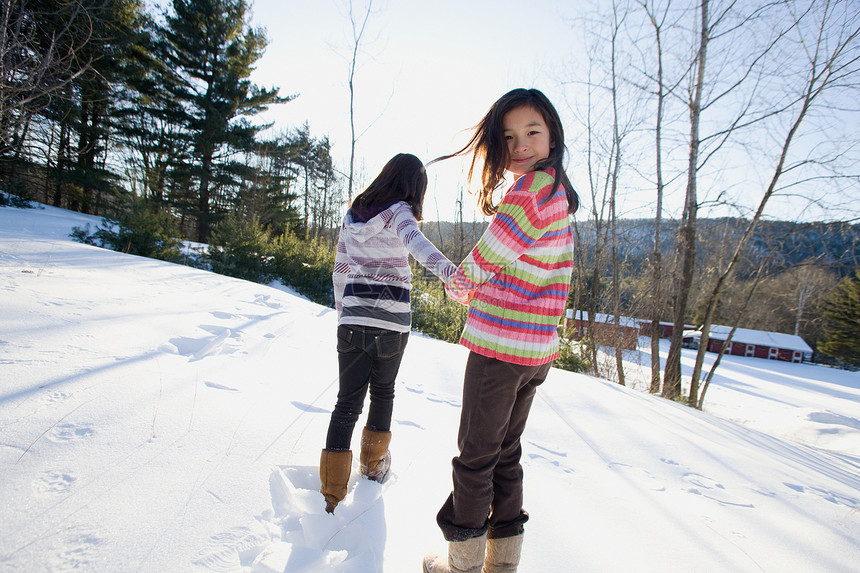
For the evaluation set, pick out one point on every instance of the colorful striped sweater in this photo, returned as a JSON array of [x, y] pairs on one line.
[[372, 279], [516, 279]]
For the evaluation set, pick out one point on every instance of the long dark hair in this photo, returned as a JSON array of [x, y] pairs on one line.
[[488, 144], [402, 179]]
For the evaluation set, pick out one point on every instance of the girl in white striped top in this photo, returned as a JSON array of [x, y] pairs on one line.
[[372, 283]]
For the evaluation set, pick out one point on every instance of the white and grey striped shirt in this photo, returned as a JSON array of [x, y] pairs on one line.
[[371, 277]]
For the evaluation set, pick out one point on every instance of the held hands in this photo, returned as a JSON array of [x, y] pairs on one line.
[[463, 297], [459, 288]]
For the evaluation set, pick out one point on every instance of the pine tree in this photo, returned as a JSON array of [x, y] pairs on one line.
[[40, 55], [212, 52], [842, 322], [151, 125], [319, 181], [268, 195], [61, 61], [113, 35]]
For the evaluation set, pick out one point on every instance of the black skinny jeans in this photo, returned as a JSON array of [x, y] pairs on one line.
[[368, 358]]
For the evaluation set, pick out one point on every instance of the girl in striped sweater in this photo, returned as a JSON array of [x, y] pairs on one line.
[[372, 281], [515, 282]]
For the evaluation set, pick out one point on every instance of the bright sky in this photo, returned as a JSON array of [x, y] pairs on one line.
[[428, 71]]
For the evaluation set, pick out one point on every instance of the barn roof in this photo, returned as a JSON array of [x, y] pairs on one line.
[[761, 338], [600, 317]]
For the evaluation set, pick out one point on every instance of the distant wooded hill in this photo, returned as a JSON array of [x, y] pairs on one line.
[[787, 244]]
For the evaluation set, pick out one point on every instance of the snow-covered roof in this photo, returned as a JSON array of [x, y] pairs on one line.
[[601, 317], [741, 335], [761, 338], [643, 321]]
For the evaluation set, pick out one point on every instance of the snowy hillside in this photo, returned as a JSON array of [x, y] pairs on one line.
[[155, 417]]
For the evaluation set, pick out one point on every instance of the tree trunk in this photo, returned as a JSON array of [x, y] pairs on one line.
[[613, 219], [700, 400], [657, 256], [307, 213], [203, 200], [725, 277], [62, 151], [687, 233], [356, 37]]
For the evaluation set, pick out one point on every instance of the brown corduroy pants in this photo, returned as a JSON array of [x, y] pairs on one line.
[[488, 477]]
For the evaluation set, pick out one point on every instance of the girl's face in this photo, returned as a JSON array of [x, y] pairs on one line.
[[528, 139]]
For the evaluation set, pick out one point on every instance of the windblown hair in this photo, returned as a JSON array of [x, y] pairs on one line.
[[488, 145], [402, 179]]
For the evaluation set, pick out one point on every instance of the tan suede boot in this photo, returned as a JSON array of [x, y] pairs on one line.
[[463, 557], [503, 555], [335, 466], [375, 457]]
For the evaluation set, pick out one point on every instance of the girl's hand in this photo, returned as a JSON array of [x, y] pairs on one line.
[[463, 297]]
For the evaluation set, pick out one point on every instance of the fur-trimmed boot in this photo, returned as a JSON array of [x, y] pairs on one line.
[[335, 466], [503, 555], [463, 557], [375, 457]]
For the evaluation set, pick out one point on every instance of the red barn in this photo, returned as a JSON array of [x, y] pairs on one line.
[[760, 343], [666, 328], [576, 325]]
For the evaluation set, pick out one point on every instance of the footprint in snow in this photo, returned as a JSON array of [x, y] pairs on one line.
[[548, 453], [825, 494], [639, 476], [197, 349], [538, 458], [703, 482], [212, 346], [298, 535], [555, 450], [235, 548], [409, 423], [432, 397], [443, 400], [223, 315], [54, 397], [414, 389], [53, 482], [220, 387], [309, 408], [354, 532], [63, 433], [78, 551], [713, 490], [267, 300], [831, 418]]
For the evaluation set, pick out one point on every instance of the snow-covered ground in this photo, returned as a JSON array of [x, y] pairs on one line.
[[155, 417]]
